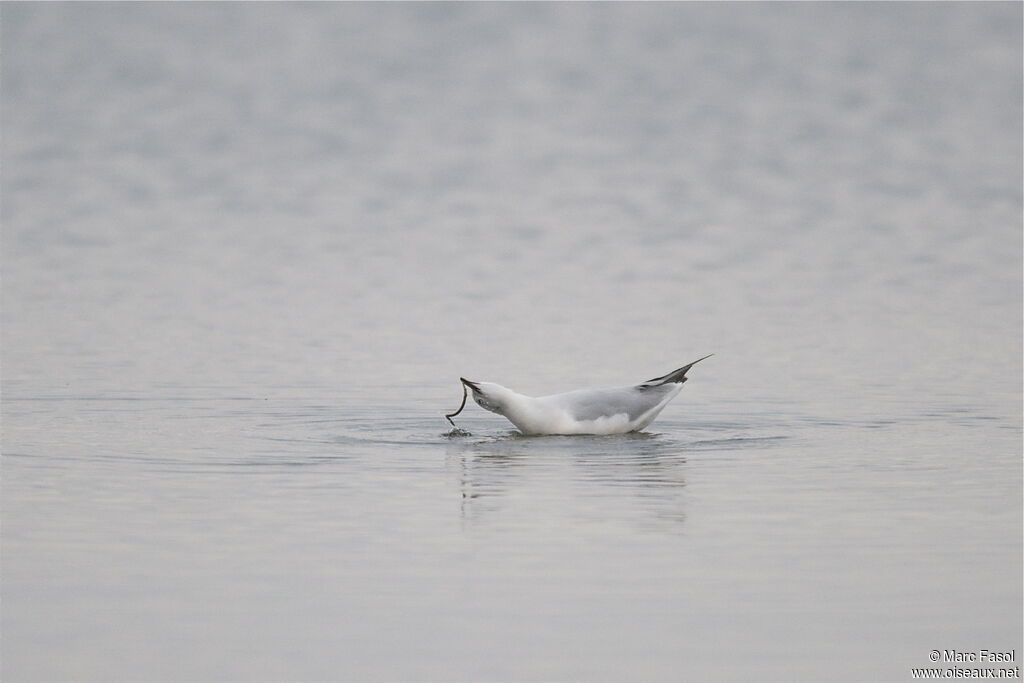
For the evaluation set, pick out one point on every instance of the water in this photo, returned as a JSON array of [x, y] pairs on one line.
[[248, 249]]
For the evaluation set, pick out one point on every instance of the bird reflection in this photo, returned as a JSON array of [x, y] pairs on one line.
[[637, 476]]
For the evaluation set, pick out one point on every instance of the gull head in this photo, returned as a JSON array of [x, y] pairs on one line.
[[490, 396]]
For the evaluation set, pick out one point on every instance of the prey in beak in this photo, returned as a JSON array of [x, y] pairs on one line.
[[465, 383]]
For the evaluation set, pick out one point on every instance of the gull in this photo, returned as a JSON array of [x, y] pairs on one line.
[[611, 410]]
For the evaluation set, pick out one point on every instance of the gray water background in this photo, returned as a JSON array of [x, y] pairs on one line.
[[248, 249]]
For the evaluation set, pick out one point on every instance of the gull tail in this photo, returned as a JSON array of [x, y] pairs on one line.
[[674, 377]]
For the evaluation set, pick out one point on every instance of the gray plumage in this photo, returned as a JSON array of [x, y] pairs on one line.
[[634, 401]]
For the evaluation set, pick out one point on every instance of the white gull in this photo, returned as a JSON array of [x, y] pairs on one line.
[[613, 410]]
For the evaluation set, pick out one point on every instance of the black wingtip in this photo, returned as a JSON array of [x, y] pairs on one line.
[[676, 376]]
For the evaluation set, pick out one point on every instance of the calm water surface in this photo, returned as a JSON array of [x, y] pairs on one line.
[[249, 249]]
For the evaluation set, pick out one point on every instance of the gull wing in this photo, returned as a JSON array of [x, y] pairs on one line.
[[593, 404]]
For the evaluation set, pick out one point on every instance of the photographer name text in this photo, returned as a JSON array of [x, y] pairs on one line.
[[980, 656]]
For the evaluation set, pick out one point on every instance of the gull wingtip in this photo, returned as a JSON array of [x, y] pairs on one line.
[[676, 376]]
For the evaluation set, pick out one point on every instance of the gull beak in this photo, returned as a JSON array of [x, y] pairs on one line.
[[471, 385]]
